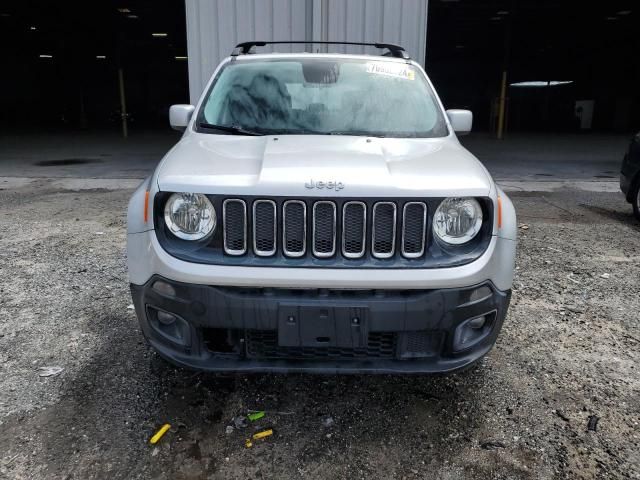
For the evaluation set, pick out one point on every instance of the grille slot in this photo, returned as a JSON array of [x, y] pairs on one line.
[[420, 344], [383, 239], [234, 220], [264, 228], [294, 228], [354, 229], [264, 344], [414, 224], [324, 229]]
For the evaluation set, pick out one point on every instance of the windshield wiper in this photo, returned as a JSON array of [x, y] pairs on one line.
[[230, 129], [357, 133]]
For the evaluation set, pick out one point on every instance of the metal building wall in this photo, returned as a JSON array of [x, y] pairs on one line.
[[403, 22], [214, 27]]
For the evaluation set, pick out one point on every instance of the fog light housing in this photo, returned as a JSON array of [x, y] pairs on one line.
[[166, 318], [169, 326], [472, 331], [477, 323]]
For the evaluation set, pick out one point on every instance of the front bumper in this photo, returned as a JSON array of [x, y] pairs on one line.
[[219, 328]]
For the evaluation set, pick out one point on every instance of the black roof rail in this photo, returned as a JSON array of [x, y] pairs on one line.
[[397, 51]]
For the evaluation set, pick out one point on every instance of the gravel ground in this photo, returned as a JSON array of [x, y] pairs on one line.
[[568, 353]]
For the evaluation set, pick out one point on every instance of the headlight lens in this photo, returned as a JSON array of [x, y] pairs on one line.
[[457, 220], [190, 216]]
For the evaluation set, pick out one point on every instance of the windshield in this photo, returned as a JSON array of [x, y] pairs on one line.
[[322, 96]]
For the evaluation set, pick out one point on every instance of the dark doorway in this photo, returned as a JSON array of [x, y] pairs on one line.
[[62, 60], [582, 56]]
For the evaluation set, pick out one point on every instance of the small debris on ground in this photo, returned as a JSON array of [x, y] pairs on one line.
[[592, 424], [159, 434], [263, 434], [255, 416], [569, 277], [327, 422], [561, 414], [575, 308], [240, 422], [50, 371], [492, 445], [605, 275], [229, 430], [130, 307], [523, 226]]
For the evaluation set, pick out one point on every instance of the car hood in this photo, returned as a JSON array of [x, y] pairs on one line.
[[320, 165]]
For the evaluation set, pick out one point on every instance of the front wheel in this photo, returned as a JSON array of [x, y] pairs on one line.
[[635, 199]]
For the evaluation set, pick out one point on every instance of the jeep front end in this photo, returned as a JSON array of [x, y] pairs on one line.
[[319, 214]]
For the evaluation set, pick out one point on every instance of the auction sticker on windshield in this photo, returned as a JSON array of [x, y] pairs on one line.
[[391, 70]]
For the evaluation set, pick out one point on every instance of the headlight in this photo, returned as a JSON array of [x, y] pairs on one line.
[[190, 216], [457, 220]]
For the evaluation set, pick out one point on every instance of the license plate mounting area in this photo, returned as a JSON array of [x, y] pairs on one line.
[[322, 326]]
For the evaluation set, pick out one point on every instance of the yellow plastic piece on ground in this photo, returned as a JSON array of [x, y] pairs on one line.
[[164, 429], [248, 443], [263, 434]]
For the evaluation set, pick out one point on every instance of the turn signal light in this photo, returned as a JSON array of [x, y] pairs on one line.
[[146, 206]]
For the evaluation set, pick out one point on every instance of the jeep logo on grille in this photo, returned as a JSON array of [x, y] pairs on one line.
[[329, 185]]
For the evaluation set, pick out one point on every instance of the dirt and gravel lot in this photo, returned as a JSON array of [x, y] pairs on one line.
[[568, 356]]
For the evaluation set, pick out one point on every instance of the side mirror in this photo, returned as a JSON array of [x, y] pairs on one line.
[[179, 116], [461, 121]]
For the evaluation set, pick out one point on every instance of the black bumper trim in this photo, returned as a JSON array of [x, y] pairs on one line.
[[239, 310]]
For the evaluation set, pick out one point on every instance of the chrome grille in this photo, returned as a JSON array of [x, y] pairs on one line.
[[414, 224], [294, 228], [264, 227], [324, 229], [354, 229], [383, 238], [234, 220]]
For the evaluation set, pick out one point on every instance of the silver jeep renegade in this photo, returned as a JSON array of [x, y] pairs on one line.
[[319, 214]]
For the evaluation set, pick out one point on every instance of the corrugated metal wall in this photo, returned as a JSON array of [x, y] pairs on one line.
[[214, 27]]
